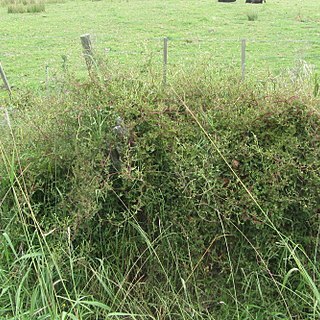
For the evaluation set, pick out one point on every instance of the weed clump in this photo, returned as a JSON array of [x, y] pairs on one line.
[[252, 16]]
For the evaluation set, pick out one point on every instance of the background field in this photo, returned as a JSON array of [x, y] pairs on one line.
[[129, 34]]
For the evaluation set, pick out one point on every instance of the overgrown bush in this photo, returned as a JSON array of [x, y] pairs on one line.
[[206, 177]]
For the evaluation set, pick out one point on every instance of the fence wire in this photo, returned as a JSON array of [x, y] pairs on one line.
[[31, 62]]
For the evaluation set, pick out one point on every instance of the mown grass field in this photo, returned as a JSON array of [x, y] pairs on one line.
[[129, 34]]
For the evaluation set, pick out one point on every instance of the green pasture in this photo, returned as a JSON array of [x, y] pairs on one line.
[[129, 34]]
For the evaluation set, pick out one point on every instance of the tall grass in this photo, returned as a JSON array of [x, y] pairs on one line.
[[26, 7], [168, 212], [11, 3]]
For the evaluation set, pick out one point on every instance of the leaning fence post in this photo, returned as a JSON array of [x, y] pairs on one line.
[[87, 50], [243, 59], [5, 80], [165, 60]]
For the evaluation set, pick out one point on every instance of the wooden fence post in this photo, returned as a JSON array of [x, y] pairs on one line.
[[47, 78], [243, 59], [5, 80], [165, 60], [87, 51]]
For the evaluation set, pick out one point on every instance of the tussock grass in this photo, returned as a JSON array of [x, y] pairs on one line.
[[252, 16], [26, 7], [37, 7], [10, 3], [16, 8], [125, 199]]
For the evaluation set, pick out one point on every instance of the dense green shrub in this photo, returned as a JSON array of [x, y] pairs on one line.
[[122, 161]]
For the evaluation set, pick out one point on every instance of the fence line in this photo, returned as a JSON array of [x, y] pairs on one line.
[[164, 45], [32, 49], [189, 41]]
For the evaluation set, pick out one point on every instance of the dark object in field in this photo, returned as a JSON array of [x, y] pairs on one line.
[[226, 0], [256, 1]]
